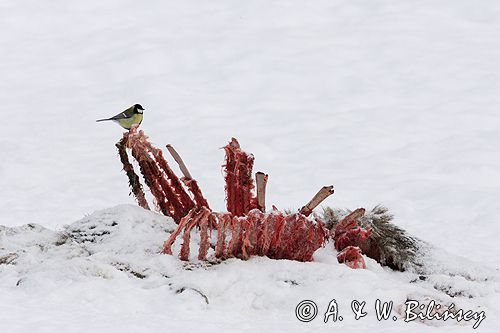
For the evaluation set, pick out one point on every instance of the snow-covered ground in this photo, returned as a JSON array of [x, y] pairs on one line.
[[393, 102], [104, 273]]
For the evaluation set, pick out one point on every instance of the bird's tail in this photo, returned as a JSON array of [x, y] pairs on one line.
[[98, 120]]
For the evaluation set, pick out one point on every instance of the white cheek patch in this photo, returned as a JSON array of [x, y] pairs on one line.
[[139, 111]]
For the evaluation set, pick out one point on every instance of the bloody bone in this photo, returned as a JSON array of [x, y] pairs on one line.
[[349, 233], [181, 201], [261, 181], [349, 237], [151, 178], [179, 161], [133, 178], [351, 256], [198, 220], [239, 182], [188, 180], [322, 194]]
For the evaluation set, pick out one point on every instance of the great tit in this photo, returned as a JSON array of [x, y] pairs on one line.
[[133, 115]]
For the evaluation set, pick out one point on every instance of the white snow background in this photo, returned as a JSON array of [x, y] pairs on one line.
[[393, 102]]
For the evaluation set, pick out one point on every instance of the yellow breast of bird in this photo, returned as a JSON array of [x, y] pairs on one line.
[[127, 123]]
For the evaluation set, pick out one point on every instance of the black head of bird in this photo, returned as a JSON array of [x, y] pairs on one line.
[[138, 108]]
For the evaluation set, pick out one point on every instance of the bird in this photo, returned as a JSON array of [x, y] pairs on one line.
[[133, 115]]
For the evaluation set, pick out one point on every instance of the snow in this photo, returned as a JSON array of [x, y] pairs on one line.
[[392, 102]]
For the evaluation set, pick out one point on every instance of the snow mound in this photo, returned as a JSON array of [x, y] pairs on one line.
[[110, 263]]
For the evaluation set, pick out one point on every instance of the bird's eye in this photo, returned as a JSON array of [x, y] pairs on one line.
[[139, 107]]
